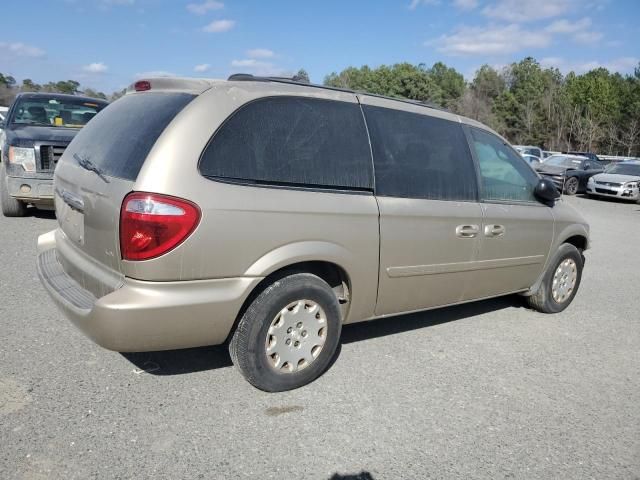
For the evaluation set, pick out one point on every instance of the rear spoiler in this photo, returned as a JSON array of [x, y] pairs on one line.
[[173, 84]]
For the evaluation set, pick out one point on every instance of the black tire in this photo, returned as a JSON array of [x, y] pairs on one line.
[[10, 206], [571, 185], [542, 300], [248, 343]]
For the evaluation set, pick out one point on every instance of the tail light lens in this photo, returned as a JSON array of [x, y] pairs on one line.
[[142, 85], [152, 224]]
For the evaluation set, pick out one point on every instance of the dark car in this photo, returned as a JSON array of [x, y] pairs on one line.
[[589, 155], [36, 130], [570, 173]]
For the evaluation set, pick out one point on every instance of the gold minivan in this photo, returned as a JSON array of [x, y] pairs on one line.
[[267, 213]]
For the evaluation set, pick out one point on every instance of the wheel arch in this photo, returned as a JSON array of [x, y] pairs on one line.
[[574, 234], [335, 275]]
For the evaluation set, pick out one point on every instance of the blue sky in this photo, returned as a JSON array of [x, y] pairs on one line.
[[106, 44]]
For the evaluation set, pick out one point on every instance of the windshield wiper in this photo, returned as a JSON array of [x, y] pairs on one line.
[[89, 165]]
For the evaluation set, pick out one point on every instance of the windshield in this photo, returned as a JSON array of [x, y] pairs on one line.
[[562, 161], [625, 169], [55, 112]]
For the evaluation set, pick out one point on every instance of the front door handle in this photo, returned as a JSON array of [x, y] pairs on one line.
[[494, 230], [467, 231]]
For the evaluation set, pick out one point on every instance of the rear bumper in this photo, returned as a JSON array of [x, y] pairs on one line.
[[31, 189], [146, 316]]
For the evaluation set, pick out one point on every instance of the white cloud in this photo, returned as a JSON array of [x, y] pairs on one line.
[[622, 64], [219, 26], [549, 62], [465, 4], [19, 49], [490, 41], [527, 10], [259, 67], [577, 29], [203, 67], [565, 26], [97, 67], [204, 7], [260, 53], [250, 62], [415, 3], [587, 37], [154, 73]]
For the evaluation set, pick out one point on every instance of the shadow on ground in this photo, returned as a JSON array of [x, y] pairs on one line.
[[178, 362], [358, 476], [38, 213]]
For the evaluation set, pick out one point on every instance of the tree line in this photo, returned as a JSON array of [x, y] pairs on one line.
[[9, 88], [530, 105], [597, 111]]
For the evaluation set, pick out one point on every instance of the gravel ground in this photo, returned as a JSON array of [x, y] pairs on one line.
[[486, 390]]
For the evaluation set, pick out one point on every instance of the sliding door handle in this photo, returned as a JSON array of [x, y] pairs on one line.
[[467, 231], [494, 230]]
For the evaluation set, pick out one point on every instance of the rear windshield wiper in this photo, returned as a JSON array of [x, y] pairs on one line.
[[89, 165]]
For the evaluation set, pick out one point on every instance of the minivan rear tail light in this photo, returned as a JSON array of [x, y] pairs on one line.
[[152, 224]]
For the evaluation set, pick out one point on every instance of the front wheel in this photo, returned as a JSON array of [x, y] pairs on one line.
[[289, 333], [10, 206], [571, 186], [560, 282]]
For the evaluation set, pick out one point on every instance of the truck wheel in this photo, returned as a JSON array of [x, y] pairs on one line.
[[571, 186], [10, 206], [560, 282], [288, 335]]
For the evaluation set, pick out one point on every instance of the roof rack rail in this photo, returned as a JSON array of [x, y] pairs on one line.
[[248, 77]]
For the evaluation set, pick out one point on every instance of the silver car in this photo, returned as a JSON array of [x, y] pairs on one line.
[[620, 180]]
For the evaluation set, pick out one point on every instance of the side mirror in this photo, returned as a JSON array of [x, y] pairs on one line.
[[1, 124], [546, 191]]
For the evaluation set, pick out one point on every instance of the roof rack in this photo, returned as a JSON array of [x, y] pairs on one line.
[[295, 80]]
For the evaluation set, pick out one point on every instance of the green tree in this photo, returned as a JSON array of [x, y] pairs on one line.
[[29, 86], [302, 76], [89, 92], [69, 86], [450, 83]]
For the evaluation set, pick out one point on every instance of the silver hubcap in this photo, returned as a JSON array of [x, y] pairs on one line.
[[296, 336], [564, 280]]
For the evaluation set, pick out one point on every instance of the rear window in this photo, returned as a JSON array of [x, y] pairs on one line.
[[118, 140], [292, 141]]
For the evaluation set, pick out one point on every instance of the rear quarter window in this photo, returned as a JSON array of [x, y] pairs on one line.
[[294, 141], [120, 137]]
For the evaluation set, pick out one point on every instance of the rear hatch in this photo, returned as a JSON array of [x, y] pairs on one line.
[[96, 172]]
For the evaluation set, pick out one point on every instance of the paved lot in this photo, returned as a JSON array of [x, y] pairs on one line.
[[487, 390]]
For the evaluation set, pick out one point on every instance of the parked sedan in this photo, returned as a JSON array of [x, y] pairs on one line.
[[532, 160], [620, 180], [570, 173], [529, 150]]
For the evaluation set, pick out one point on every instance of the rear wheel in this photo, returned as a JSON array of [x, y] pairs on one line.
[[560, 282], [10, 206], [289, 333], [571, 186]]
